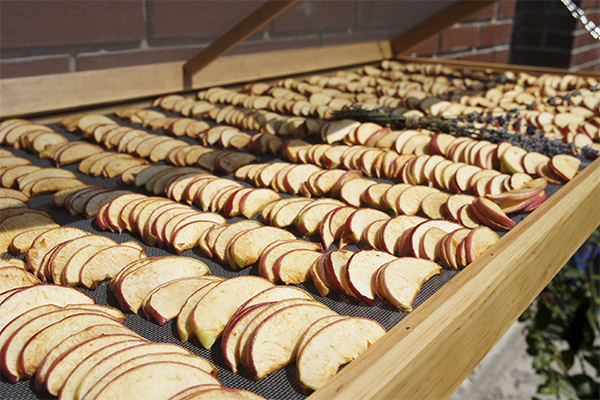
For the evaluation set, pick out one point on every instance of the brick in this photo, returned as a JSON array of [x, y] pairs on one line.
[[137, 57], [459, 37], [38, 66], [355, 37], [584, 56], [310, 16], [483, 57], [496, 34], [24, 24], [193, 19], [502, 56], [381, 14], [425, 48], [588, 4], [583, 38], [507, 8]]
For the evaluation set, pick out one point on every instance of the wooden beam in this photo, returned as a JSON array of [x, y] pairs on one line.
[[253, 22], [430, 352], [457, 12], [59, 92]]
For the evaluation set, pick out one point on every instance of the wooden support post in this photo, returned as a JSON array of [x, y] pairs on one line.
[[242, 30]]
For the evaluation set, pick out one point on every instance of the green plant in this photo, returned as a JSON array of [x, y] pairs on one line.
[[563, 330]]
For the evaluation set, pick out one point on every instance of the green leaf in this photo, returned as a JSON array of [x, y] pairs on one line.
[[541, 360], [568, 357], [585, 386], [566, 388], [547, 389]]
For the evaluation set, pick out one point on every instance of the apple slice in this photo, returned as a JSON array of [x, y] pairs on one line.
[[430, 245], [19, 223], [357, 223], [409, 201], [9, 176], [218, 393], [286, 212], [68, 371], [450, 244], [42, 342], [256, 200], [417, 233], [165, 302], [434, 205], [309, 219], [294, 266], [240, 328], [21, 242], [214, 310], [184, 318], [565, 166], [331, 346], [273, 342], [392, 230], [14, 277], [530, 189], [13, 262], [336, 131], [371, 233], [275, 294], [352, 191], [360, 270], [512, 159], [373, 195], [401, 280], [187, 236], [135, 285], [160, 379], [491, 214], [531, 160], [271, 253], [297, 175], [478, 241], [455, 202], [222, 241], [112, 366], [247, 247], [106, 262]]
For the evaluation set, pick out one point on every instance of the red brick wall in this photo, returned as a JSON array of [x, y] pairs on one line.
[[585, 51], [55, 36]]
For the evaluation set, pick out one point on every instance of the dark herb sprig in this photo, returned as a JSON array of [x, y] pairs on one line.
[[474, 126]]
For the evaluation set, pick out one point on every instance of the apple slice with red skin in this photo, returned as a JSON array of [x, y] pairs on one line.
[[409, 201], [390, 196], [335, 269], [160, 379], [478, 241], [319, 277], [360, 270], [184, 319], [288, 213], [275, 294], [490, 213], [247, 247], [467, 218], [357, 223], [371, 234], [417, 233], [22, 242], [462, 178], [213, 311], [310, 218], [240, 328], [297, 175], [530, 190], [352, 191], [14, 277], [440, 142], [333, 224], [293, 267], [261, 355], [40, 344], [401, 280], [333, 345], [451, 243], [188, 235], [345, 177], [496, 185], [434, 205], [430, 245], [531, 160], [535, 204], [271, 254], [219, 247], [455, 202], [565, 166], [392, 230], [336, 131], [135, 285], [374, 193]]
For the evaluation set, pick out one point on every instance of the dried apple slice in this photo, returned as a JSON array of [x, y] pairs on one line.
[[13, 262], [286, 212], [490, 213], [357, 223], [294, 266], [40, 344], [271, 253], [223, 239], [68, 371], [256, 200], [187, 236], [160, 379], [165, 302], [450, 244], [106, 262], [15, 224], [184, 319], [402, 279], [126, 359], [360, 270], [565, 166], [273, 342], [212, 313], [247, 247], [14, 277], [392, 230], [309, 219], [478, 241], [21, 242], [64, 251], [332, 346], [409, 201], [417, 233], [135, 285]]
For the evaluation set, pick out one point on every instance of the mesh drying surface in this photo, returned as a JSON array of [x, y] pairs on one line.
[[281, 384]]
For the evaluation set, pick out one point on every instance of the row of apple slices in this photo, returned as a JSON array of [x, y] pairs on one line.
[[17, 217], [80, 350], [156, 147], [248, 118], [31, 180], [23, 134]]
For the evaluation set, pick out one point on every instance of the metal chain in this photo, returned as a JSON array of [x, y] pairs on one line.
[[579, 15]]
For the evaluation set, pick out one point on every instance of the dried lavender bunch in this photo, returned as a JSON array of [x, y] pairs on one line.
[[492, 129]]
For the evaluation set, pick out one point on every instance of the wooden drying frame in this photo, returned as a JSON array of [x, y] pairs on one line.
[[430, 352]]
